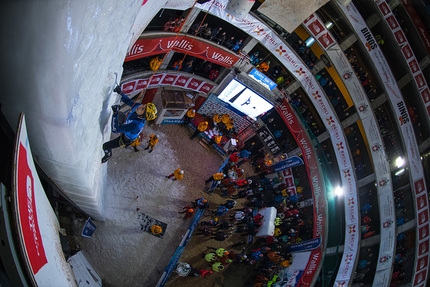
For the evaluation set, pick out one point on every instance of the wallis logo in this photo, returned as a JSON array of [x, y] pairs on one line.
[[182, 44], [222, 58]]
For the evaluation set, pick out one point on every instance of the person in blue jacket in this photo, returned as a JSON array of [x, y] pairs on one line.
[[133, 125]]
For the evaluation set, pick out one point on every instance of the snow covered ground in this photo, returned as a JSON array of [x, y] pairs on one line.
[[121, 253]]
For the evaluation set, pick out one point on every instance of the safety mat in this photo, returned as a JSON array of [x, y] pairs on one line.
[[147, 221]]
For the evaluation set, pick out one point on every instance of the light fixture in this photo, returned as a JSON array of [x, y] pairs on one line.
[[338, 191], [329, 24], [309, 41], [399, 172], [399, 162]]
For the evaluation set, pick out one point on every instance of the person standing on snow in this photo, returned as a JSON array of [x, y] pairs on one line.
[[153, 141], [132, 126], [188, 212], [178, 174]]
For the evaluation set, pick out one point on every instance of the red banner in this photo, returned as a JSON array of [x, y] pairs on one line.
[[425, 37], [168, 79], [310, 159], [183, 44], [27, 213]]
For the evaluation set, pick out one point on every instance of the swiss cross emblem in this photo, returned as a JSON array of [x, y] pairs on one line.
[[329, 120], [300, 72], [347, 75], [348, 257], [280, 50], [339, 146], [258, 30], [383, 182], [351, 201], [362, 108], [352, 229], [387, 223], [346, 173], [316, 95], [376, 147], [383, 258]]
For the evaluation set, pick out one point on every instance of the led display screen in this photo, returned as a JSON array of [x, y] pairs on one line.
[[244, 99]]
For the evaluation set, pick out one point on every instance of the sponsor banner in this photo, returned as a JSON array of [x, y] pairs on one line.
[[269, 140], [288, 163], [350, 80], [384, 261], [414, 67], [346, 267], [419, 25], [155, 80], [421, 202], [351, 210], [182, 81], [420, 277], [423, 217], [395, 97], [311, 268], [352, 237], [423, 232], [194, 84], [145, 47], [172, 121], [26, 190], [386, 204], [305, 245], [317, 29], [262, 79], [36, 224], [167, 79], [310, 160], [425, 94], [423, 247], [422, 263], [382, 278]]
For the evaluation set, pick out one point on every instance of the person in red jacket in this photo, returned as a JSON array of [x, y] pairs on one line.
[[243, 182], [234, 157]]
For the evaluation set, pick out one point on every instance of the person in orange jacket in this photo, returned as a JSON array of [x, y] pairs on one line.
[[216, 177], [153, 141], [178, 174], [191, 113], [264, 67], [200, 128], [155, 63]]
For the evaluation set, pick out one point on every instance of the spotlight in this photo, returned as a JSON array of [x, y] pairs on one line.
[[338, 191], [399, 162]]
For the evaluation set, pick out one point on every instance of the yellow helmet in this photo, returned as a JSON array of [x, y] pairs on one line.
[[151, 111]]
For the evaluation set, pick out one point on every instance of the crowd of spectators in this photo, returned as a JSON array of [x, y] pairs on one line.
[[217, 35], [238, 219]]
